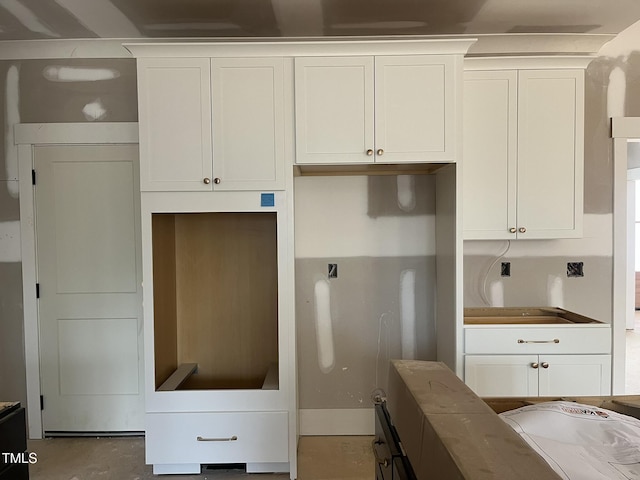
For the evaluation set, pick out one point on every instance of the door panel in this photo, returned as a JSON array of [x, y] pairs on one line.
[[87, 234], [501, 375]]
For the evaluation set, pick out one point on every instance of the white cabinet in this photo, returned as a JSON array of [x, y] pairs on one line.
[[211, 124], [538, 360], [523, 135], [385, 109], [538, 375]]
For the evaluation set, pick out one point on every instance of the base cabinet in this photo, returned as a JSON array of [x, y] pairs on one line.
[[538, 375], [225, 437]]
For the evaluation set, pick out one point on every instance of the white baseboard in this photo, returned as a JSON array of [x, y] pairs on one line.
[[344, 421]]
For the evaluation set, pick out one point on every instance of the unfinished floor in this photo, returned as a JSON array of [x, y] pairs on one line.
[[122, 458]]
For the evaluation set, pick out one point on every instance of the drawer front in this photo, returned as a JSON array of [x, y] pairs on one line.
[[238, 437], [537, 340]]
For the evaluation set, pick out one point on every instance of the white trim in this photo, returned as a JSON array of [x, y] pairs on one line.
[[30, 135], [334, 46], [70, 133], [622, 128], [625, 127], [337, 421], [51, 48], [536, 62], [633, 173]]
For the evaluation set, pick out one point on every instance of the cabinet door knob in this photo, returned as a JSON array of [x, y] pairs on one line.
[[545, 365], [513, 230], [206, 180], [522, 229], [370, 152], [380, 151], [216, 181], [534, 365]]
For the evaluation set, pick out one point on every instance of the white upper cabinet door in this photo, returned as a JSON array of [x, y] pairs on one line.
[[415, 108], [334, 110], [490, 154], [550, 153], [174, 100], [248, 123]]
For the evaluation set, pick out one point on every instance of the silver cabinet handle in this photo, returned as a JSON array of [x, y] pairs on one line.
[[534, 365], [545, 365], [513, 230], [370, 152], [522, 229], [380, 151], [206, 180], [209, 439], [555, 340]]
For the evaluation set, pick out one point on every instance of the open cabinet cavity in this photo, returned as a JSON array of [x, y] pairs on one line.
[[215, 300]]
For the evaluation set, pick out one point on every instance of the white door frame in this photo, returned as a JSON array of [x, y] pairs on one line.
[[26, 137], [622, 130]]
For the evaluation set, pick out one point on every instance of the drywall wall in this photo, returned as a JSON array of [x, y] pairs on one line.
[[35, 91], [380, 232]]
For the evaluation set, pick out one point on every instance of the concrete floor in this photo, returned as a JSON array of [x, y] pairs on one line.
[[122, 458]]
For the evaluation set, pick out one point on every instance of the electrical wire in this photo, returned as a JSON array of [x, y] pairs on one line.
[[483, 292]]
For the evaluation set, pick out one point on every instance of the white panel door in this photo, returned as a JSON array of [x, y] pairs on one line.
[[490, 139], [414, 108], [582, 375], [334, 109], [248, 123], [550, 153], [87, 232], [174, 109], [501, 375]]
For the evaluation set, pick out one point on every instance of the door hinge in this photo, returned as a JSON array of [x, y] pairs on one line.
[[41, 402], [33, 177], [37, 290]]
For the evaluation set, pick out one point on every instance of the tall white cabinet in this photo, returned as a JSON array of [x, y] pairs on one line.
[[523, 142], [217, 260]]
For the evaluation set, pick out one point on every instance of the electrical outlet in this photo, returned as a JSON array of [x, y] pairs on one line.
[[333, 270], [505, 269], [575, 269]]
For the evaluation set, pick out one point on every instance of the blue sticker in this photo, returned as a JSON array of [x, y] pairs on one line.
[[267, 200]]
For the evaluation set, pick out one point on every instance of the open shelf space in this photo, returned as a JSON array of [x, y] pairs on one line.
[[215, 280]]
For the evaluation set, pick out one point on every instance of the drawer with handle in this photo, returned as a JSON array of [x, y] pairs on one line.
[[235, 437], [531, 339]]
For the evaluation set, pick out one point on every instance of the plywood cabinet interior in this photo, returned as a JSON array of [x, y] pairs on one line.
[[211, 124], [523, 135], [215, 298], [366, 109]]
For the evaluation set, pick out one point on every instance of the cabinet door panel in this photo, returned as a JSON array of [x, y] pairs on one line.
[[334, 109], [415, 109], [582, 375], [501, 375], [489, 154], [248, 123], [175, 123], [550, 152]]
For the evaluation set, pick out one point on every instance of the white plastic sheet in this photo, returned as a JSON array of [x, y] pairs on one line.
[[580, 442]]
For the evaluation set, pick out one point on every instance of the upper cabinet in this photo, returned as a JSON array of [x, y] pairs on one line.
[[384, 109], [211, 124], [523, 135]]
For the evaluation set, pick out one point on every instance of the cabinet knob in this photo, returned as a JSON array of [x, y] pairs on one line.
[[545, 365], [216, 180], [379, 151], [534, 365], [513, 230], [522, 229], [370, 152], [207, 180]]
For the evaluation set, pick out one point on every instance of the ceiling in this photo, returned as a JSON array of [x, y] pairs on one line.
[[131, 19]]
